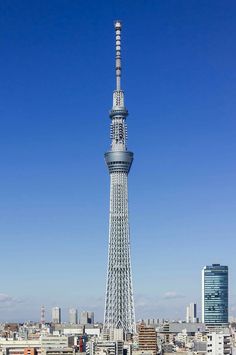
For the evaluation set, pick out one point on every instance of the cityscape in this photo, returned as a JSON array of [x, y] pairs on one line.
[[204, 317]]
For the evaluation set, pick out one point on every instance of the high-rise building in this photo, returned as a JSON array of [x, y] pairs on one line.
[[119, 304], [42, 318], [56, 315], [215, 295], [90, 317], [73, 316], [147, 339], [191, 313], [84, 318]]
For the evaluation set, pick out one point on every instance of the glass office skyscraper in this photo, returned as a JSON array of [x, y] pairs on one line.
[[215, 295]]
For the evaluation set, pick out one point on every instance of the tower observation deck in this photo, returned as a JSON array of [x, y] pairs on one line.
[[119, 303]]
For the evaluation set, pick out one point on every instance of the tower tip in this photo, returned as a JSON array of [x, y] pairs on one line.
[[117, 24]]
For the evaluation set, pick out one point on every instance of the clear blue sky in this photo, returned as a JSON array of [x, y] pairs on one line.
[[57, 78]]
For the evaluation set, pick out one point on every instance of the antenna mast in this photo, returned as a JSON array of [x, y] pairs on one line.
[[118, 53]]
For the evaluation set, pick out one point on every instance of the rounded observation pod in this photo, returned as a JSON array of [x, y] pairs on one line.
[[119, 161]]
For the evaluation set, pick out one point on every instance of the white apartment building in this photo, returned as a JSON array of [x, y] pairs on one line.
[[218, 344], [191, 313]]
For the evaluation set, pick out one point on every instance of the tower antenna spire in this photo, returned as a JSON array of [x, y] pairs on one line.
[[117, 25]]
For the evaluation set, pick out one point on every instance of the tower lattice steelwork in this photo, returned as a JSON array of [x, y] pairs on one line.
[[119, 303]]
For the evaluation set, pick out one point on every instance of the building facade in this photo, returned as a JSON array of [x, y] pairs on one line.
[[147, 339], [191, 313], [215, 295], [73, 316], [84, 317], [218, 344], [119, 304], [56, 315], [108, 347], [90, 317]]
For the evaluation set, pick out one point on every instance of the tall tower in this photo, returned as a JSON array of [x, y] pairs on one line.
[[119, 303]]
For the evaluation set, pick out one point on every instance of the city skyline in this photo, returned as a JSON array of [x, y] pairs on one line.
[[55, 94]]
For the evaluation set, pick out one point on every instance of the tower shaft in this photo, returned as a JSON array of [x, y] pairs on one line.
[[119, 304]]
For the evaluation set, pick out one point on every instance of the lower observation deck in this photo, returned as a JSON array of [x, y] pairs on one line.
[[119, 161]]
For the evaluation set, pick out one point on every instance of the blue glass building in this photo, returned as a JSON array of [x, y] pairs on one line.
[[215, 295]]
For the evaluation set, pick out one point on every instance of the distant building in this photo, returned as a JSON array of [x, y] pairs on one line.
[[147, 339], [73, 316], [90, 317], [215, 295], [191, 313], [84, 318], [56, 315]]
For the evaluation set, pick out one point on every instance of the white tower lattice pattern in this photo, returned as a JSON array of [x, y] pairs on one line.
[[119, 303]]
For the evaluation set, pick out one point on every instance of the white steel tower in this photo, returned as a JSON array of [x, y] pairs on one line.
[[119, 303]]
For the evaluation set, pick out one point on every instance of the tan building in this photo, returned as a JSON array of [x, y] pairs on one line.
[[147, 339]]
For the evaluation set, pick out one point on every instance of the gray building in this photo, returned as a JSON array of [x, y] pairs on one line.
[[200, 346], [215, 295], [73, 316], [84, 318], [56, 315], [90, 317], [175, 328]]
